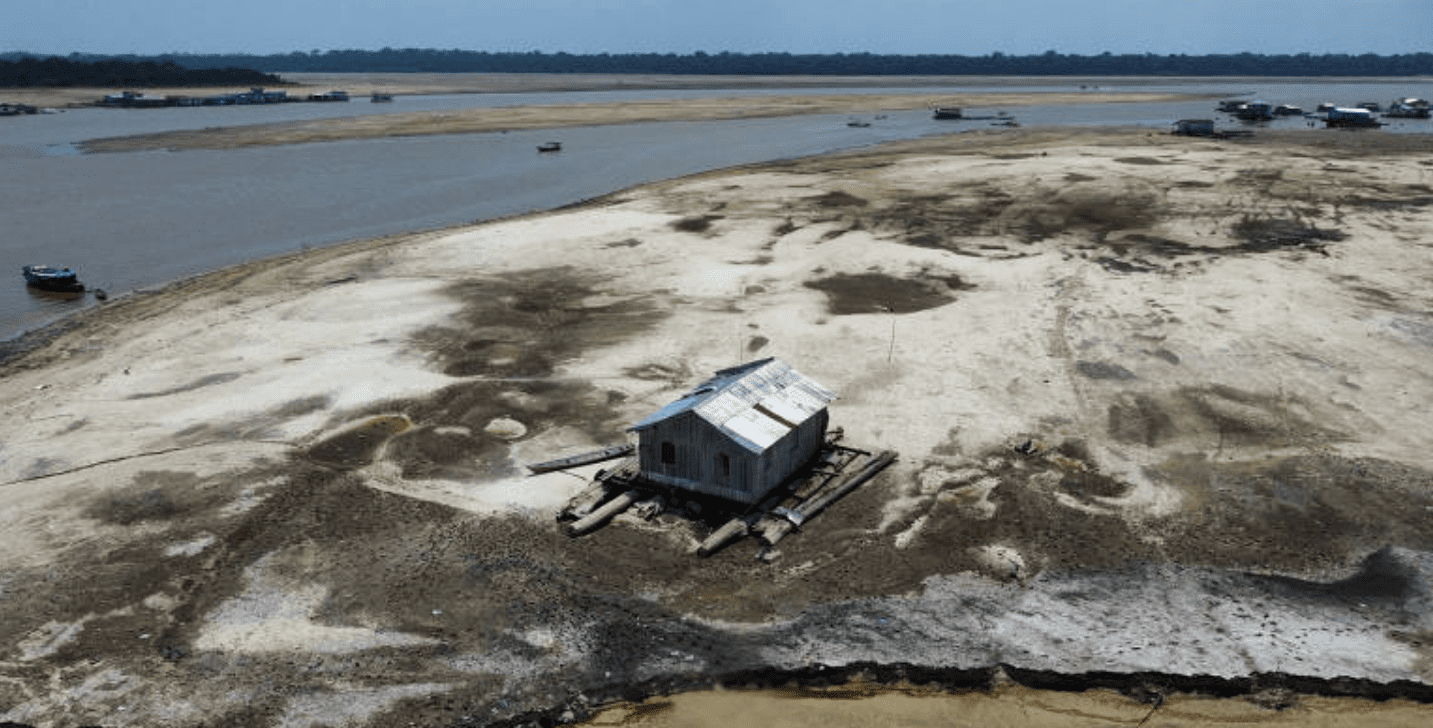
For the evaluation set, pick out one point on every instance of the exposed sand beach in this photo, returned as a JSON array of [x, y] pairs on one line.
[[291, 492], [468, 121]]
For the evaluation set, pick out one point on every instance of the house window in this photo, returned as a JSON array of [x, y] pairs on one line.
[[669, 454], [723, 467]]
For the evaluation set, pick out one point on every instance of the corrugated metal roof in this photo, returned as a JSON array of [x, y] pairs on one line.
[[755, 404]]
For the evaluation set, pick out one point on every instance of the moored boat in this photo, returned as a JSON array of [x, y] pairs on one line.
[[51, 279], [947, 112], [1339, 117], [550, 147], [1409, 108], [1256, 111]]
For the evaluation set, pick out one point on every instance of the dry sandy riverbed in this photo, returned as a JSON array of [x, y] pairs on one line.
[[289, 493]]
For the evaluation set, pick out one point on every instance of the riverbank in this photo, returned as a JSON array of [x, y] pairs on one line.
[[408, 84], [468, 121], [1135, 380]]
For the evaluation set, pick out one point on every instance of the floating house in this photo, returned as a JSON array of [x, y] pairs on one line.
[[1408, 108], [1346, 118], [1256, 111], [135, 100], [738, 435]]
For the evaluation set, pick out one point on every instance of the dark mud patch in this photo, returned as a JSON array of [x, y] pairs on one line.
[[1265, 234], [1382, 577], [1377, 297], [941, 221], [1103, 370], [1140, 418], [1213, 417], [1308, 514], [858, 293], [153, 496], [756, 343], [1077, 177], [1140, 244], [355, 446], [1031, 216], [696, 223], [527, 324], [1391, 203], [1142, 160], [628, 243], [756, 260], [112, 574], [838, 198], [465, 431], [200, 383], [1166, 355], [452, 452], [302, 406]]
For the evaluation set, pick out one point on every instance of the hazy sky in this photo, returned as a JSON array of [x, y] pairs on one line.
[[683, 26]]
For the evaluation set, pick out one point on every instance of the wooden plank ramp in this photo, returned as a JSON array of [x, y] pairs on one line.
[[586, 458]]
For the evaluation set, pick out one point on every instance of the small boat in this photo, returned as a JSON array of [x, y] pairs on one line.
[[51, 279], [858, 124], [379, 98], [550, 147], [1288, 110], [947, 112]]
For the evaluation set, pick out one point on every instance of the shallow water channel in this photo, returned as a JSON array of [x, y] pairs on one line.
[[136, 220]]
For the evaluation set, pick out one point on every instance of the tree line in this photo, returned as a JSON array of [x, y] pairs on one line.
[[26, 71], [1049, 63]]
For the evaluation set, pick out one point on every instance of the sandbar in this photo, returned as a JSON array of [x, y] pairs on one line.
[[554, 116], [1160, 402]]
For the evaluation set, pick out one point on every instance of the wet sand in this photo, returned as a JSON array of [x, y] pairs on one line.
[[1160, 404], [1012, 705]]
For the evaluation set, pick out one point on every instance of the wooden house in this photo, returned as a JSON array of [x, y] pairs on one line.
[[737, 435]]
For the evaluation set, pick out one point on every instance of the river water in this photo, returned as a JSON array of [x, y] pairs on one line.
[[137, 220]]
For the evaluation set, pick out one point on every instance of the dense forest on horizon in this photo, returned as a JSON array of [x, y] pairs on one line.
[[1049, 63], [54, 71]]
